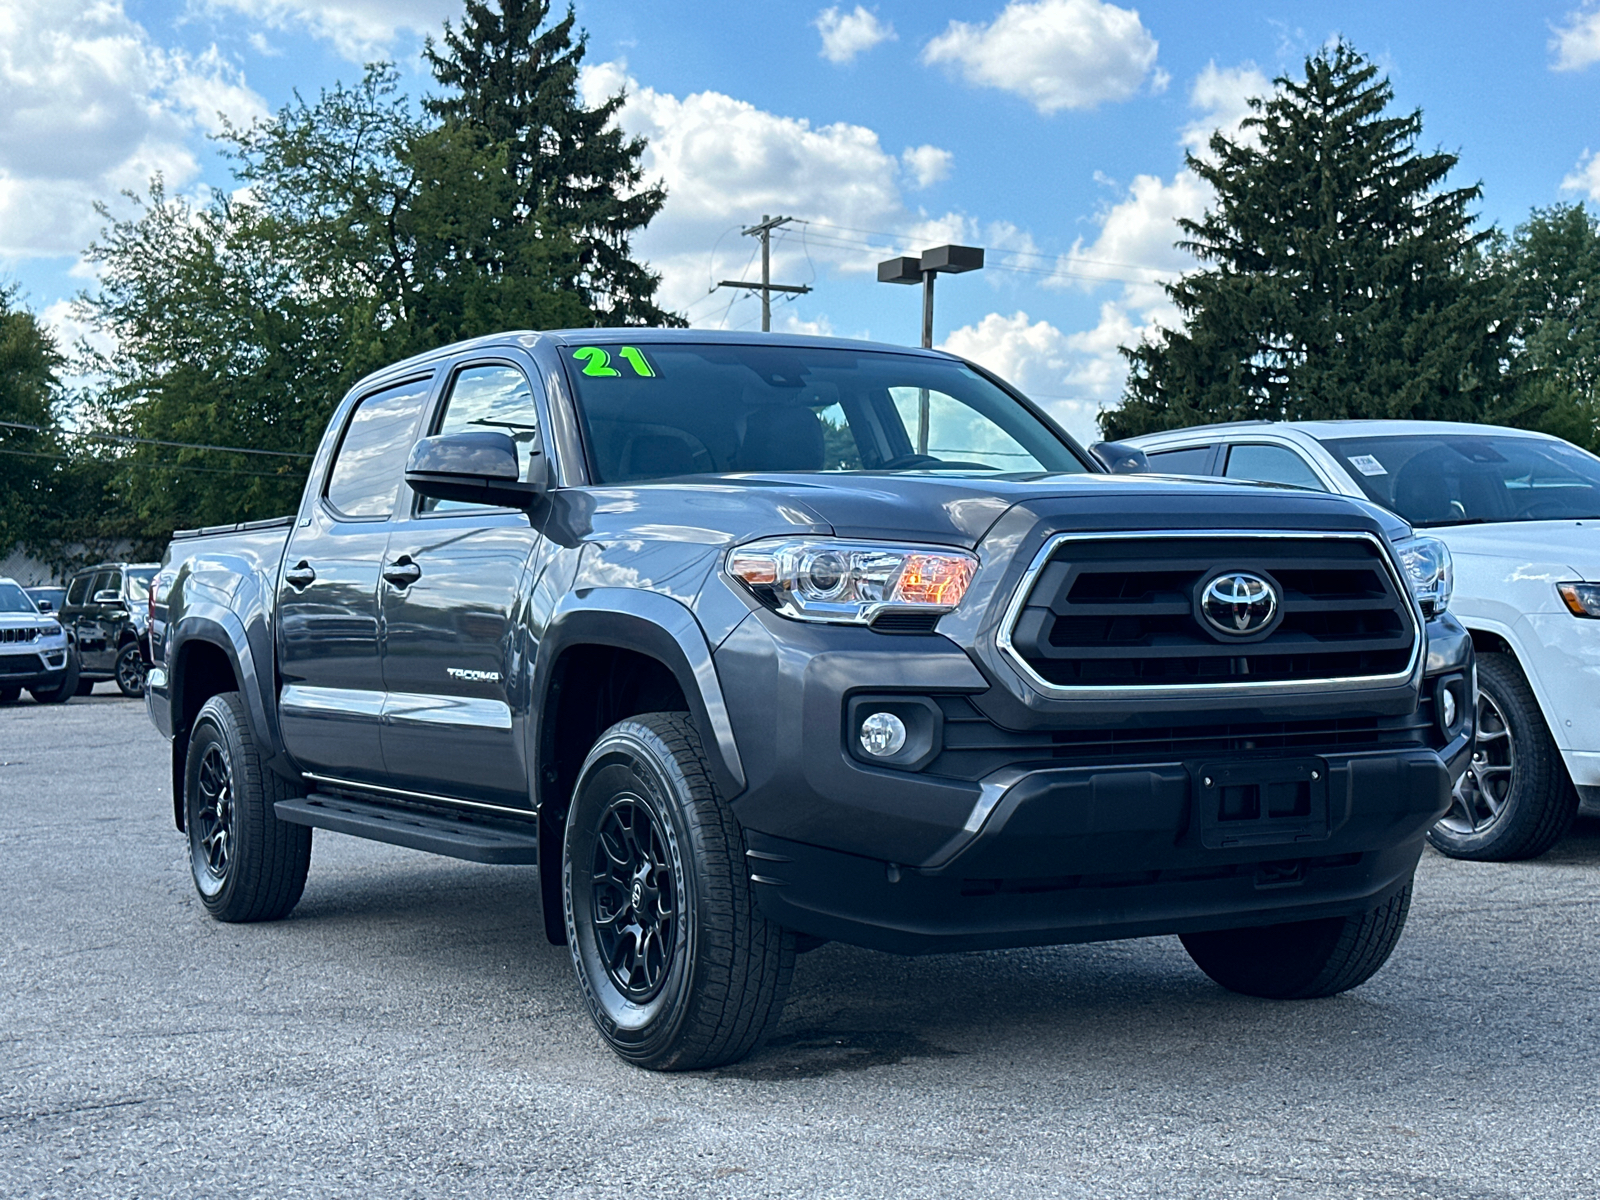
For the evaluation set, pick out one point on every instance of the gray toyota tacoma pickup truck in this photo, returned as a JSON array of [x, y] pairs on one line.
[[753, 642]]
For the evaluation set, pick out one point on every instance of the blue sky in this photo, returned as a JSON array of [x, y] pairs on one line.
[[1050, 131]]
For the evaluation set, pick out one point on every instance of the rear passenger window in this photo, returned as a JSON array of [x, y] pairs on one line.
[[372, 457], [495, 399], [1271, 464], [1192, 461]]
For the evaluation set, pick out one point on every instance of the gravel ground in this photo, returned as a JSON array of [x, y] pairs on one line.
[[408, 1032]]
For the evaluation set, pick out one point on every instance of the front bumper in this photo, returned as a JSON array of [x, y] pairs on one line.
[[1064, 843], [35, 667]]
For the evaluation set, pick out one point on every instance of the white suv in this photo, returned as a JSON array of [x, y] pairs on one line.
[[1520, 513]]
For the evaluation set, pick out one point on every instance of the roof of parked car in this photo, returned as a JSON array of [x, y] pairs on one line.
[[1324, 430]]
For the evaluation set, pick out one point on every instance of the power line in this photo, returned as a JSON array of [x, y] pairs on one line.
[[124, 438], [159, 466]]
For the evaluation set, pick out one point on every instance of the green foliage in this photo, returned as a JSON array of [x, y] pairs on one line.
[[512, 83], [1340, 277], [363, 232], [28, 388], [1549, 277]]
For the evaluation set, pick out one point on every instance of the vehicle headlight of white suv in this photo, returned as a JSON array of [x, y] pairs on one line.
[[1426, 561]]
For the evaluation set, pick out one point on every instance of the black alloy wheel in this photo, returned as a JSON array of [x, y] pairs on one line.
[[1515, 799], [211, 828], [247, 865], [634, 898], [676, 964]]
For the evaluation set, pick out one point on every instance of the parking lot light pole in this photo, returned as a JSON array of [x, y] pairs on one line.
[[948, 260], [941, 260]]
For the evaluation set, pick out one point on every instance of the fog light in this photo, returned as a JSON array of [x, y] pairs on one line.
[[1447, 709], [883, 734]]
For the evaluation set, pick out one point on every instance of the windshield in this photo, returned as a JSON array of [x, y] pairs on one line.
[[14, 600], [139, 583], [653, 411], [1469, 479]]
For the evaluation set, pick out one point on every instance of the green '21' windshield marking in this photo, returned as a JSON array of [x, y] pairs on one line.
[[597, 362]]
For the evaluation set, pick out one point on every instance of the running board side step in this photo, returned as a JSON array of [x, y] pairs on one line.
[[477, 839]]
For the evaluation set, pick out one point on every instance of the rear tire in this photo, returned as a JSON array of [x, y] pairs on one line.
[[247, 865], [1516, 800], [1303, 960], [130, 671], [679, 969], [63, 691]]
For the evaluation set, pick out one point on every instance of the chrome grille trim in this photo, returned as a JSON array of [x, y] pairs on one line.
[[1024, 589]]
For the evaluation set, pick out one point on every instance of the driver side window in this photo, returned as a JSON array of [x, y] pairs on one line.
[[493, 397]]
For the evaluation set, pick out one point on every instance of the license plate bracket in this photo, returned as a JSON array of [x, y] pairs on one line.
[[1270, 802]]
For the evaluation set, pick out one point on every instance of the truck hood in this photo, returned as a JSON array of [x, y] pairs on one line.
[[960, 511], [1571, 545]]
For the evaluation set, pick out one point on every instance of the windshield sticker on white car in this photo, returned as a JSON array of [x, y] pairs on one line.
[[1367, 465]]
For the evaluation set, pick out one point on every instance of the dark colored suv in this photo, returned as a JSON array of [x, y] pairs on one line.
[[106, 614]]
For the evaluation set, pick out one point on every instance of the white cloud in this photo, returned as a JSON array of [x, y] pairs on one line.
[[89, 106], [726, 162], [927, 164], [1039, 359], [1055, 54], [845, 35], [1222, 95], [359, 29], [1585, 177], [1577, 44]]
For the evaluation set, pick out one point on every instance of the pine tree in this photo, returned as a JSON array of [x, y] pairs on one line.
[[1340, 278], [514, 81], [1550, 278]]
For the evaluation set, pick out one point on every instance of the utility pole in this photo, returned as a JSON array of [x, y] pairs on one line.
[[766, 287]]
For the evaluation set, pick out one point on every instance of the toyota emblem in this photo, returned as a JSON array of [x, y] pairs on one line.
[[1238, 603]]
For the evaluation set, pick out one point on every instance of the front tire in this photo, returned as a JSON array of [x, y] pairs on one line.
[[1303, 960], [678, 968], [247, 864], [130, 671], [1516, 799], [9, 695]]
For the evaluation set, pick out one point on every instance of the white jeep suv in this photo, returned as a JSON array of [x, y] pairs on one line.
[[1520, 513]]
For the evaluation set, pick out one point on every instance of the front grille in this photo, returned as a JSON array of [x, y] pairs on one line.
[[974, 746], [19, 635], [20, 664], [1121, 612]]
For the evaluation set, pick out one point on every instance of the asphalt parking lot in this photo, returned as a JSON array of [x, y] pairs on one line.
[[408, 1032]]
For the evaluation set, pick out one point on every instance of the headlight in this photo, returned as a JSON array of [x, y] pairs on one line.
[[1428, 568], [829, 579], [1581, 599]]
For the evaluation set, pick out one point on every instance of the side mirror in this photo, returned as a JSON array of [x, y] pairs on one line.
[[108, 596], [476, 468], [1120, 458], [43, 605]]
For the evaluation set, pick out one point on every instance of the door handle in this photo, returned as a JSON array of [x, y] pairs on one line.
[[300, 575], [402, 572]]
